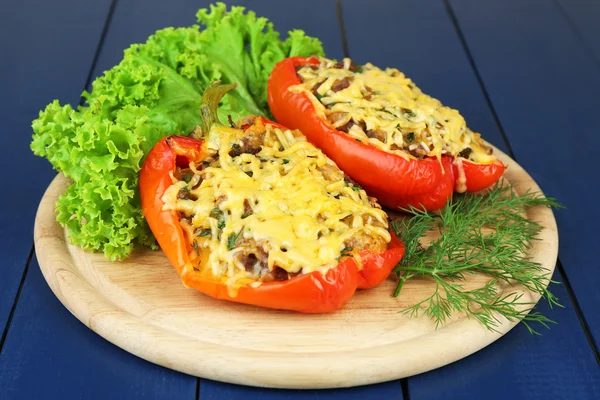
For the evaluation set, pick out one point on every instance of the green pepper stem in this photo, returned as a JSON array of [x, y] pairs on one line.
[[209, 104]]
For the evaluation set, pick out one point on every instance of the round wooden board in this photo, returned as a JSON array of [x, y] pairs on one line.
[[141, 306]]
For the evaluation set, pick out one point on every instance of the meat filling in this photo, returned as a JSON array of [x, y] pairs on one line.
[[249, 255], [340, 84], [434, 136]]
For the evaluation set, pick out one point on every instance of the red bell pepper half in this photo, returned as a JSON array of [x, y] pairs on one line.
[[310, 293], [395, 181]]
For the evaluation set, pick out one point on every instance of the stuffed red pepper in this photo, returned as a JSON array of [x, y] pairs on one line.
[[258, 215], [403, 146]]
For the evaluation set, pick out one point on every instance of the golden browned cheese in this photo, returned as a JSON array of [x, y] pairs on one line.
[[268, 202], [386, 109]]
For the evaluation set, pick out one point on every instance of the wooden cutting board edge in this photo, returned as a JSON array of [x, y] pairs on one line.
[[277, 368]]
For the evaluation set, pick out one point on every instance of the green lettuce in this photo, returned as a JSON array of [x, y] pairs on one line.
[[153, 92]]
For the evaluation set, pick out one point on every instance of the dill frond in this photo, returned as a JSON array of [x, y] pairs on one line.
[[477, 234]]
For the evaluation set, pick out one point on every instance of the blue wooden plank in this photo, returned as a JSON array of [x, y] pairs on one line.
[[46, 54], [212, 390], [544, 86], [584, 16], [50, 354], [557, 365], [137, 19], [427, 48]]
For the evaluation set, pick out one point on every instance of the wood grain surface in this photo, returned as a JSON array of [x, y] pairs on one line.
[[141, 306]]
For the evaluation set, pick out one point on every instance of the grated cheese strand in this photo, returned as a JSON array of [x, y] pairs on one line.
[[304, 212], [389, 111]]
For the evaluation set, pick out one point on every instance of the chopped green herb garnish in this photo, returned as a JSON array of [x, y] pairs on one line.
[[187, 177], [195, 246], [219, 215], [354, 186], [232, 239], [410, 137], [409, 112], [204, 232], [249, 173], [285, 161], [216, 213], [346, 251]]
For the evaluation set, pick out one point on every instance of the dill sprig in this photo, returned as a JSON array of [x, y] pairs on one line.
[[477, 234]]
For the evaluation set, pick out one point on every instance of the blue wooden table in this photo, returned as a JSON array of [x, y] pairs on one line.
[[526, 73]]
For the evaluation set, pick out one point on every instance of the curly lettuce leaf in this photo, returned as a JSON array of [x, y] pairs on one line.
[[153, 92], [247, 47]]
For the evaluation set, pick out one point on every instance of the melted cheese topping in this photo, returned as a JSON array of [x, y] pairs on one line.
[[303, 212], [387, 110]]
